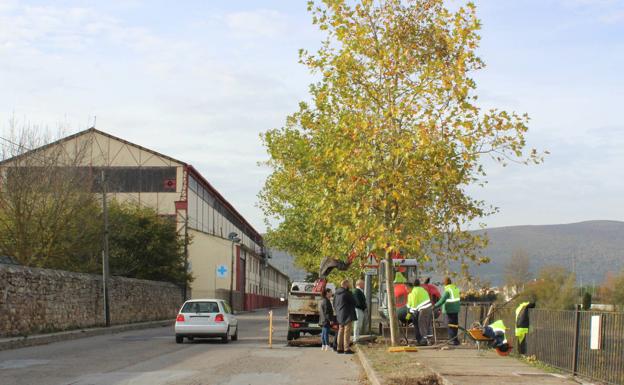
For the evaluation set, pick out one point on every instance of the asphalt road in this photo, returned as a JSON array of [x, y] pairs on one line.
[[151, 357]]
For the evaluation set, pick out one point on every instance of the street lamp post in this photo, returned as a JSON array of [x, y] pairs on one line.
[[235, 239]]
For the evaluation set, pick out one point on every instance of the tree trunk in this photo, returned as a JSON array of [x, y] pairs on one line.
[[392, 317]]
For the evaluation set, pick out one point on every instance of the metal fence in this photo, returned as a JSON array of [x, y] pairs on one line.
[[562, 339], [607, 362], [551, 337]]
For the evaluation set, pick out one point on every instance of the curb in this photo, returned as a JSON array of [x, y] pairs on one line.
[[43, 339], [370, 373]]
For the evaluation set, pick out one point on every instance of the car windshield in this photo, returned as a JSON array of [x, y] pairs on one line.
[[200, 307]]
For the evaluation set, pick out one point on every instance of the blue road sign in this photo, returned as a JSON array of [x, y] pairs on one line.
[[222, 271]]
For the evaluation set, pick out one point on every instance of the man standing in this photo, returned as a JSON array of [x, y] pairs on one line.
[[420, 307], [434, 296], [522, 324], [360, 310], [450, 306], [344, 303]]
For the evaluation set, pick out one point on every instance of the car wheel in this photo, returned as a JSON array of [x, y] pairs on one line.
[[179, 339], [235, 336], [224, 339]]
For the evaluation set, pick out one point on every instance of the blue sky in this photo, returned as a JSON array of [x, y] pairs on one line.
[[199, 80]]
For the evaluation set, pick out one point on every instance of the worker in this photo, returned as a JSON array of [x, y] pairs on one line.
[[421, 310], [496, 331], [434, 296], [401, 291], [450, 303], [522, 324], [434, 293]]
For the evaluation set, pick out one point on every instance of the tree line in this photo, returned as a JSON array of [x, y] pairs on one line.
[[555, 287]]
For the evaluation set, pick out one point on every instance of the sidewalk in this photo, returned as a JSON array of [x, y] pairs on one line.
[[461, 366], [471, 367], [42, 339]]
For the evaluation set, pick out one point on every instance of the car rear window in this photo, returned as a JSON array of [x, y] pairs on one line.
[[200, 307]]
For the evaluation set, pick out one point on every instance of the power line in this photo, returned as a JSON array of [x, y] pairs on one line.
[[21, 146]]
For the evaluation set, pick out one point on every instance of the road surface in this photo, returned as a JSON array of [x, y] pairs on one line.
[[151, 357]]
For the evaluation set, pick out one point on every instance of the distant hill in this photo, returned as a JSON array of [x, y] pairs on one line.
[[286, 264], [590, 248]]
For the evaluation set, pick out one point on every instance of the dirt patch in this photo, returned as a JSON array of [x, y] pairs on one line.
[[398, 368], [431, 379]]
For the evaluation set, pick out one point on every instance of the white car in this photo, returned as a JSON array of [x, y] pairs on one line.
[[206, 318]]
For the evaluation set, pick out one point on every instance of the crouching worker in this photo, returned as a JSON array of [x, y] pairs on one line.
[[421, 309], [496, 331]]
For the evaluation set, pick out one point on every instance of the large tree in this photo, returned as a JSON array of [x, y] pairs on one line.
[[48, 213], [517, 270], [381, 158], [145, 245]]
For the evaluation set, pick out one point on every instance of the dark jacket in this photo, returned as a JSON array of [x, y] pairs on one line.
[[360, 298], [522, 321], [326, 312], [344, 303]]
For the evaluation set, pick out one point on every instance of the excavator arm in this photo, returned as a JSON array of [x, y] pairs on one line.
[[328, 264]]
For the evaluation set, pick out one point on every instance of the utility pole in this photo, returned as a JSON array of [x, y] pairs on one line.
[[233, 237], [232, 277], [186, 265], [105, 265], [368, 293]]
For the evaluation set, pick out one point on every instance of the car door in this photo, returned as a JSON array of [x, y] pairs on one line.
[[231, 318], [201, 313]]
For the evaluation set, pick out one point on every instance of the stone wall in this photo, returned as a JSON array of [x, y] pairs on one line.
[[36, 301]]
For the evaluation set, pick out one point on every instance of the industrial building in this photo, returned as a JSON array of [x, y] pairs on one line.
[[226, 255]]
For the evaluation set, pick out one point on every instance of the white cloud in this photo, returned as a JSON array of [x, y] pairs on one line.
[[614, 17], [602, 11], [259, 23]]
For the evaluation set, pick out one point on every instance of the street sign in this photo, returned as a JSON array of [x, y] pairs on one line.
[[222, 271], [371, 271]]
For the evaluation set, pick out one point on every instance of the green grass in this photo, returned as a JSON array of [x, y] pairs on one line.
[[534, 362]]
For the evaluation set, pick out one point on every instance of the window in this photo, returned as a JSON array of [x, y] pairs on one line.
[[200, 307], [193, 184], [220, 220], [136, 179], [227, 308]]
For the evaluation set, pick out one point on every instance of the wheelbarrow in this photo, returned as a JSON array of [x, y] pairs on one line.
[[475, 334]]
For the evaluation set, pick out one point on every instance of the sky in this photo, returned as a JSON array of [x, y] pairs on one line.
[[200, 80]]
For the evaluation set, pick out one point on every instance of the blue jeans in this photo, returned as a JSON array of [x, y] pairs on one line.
[[325, 335]]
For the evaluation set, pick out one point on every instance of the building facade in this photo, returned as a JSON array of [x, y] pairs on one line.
[[237, 269]]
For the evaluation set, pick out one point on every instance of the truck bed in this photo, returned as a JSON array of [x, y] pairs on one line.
[[303, 303]]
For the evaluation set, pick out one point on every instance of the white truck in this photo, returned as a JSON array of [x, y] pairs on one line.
[[303, 309]]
